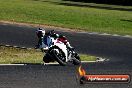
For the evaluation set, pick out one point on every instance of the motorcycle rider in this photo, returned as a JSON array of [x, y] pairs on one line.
[[40, 34], [43, 37]]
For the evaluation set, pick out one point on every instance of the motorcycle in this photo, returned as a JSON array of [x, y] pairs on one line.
[[59, 52]]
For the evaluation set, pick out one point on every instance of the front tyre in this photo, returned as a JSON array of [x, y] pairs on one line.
[[76, 60], [59, 56]]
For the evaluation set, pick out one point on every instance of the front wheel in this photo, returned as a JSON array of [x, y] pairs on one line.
[[59, 56], [76, 60]]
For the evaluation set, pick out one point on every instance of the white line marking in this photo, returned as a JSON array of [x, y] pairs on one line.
[[58, 63], [51, 63], [23, 47], [15, 46], [105, 34], [12, 64], [7, 45], [115, 35], [93, 33], [127, 36], [41, 64]]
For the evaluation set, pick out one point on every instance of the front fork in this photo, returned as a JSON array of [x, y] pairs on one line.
[[71, 54]]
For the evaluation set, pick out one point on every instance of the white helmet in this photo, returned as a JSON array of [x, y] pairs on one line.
[[41, 30]]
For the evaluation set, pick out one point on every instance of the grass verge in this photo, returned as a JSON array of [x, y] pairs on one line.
[[88, 17], [10, 55]]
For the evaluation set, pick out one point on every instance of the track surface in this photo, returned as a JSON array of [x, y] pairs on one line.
[[117, 49], [114, 48], [38, 76]]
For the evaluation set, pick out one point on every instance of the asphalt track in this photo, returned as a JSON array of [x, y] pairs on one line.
[[113, 47], [117, 49]]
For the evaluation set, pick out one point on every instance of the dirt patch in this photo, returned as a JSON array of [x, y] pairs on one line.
[[40, 25]]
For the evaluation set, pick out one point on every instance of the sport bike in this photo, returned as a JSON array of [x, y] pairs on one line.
[[59, 52]]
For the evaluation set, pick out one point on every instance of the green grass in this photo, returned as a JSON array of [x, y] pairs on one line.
[[10, 55], [87, 57], [57, 13]]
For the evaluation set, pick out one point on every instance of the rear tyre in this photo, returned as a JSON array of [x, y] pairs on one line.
[[45, 59], [48, 58]]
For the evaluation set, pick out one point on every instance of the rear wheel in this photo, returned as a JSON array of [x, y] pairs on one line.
[[48, 58]]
